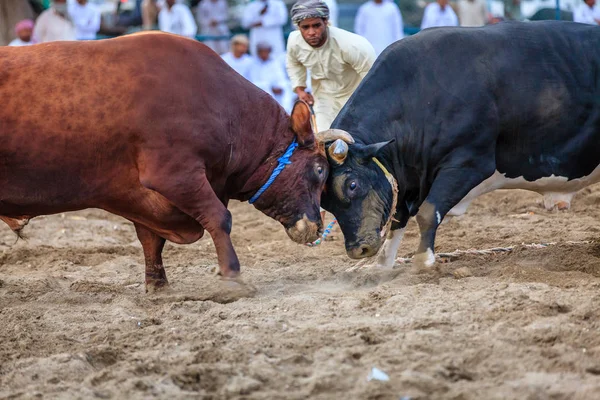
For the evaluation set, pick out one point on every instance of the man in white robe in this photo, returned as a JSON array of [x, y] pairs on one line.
[[238, 57], [24, 32], [380, 22], [265, 19], [267, 73], [439, 13], [86, 18], [54, 24], [333, 12], [212, 16], [177, 19], [472, 12], [587, 13]]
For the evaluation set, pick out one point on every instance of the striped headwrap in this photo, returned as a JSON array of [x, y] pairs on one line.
[[309, 9]]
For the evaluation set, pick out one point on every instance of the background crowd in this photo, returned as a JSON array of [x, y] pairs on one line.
[[259, 53]]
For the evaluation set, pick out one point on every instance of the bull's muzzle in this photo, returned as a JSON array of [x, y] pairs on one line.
[[363, 248], [305, 230]]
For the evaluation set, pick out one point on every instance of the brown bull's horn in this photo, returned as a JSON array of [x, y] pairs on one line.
[[331, 135], [338, 151]]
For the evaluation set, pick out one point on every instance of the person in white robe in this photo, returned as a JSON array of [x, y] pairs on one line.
[[24, 32], [439, 13], [266, 73], [380, 22], [178, 19], [265, 20], [86, 18], [333, 12], [212, 16], [472, 12], [587, 13], [238, 57], [55, 24]]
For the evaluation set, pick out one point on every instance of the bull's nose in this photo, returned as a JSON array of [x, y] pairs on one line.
[[362, 251]]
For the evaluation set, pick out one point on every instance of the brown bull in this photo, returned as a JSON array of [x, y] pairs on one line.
[[157, 129]]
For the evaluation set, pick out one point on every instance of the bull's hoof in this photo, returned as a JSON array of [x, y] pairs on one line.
[[424, 260], [155, 285]]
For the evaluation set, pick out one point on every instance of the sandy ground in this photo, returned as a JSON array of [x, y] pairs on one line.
[[75, 321]]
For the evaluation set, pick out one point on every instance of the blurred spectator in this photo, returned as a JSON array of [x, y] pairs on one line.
[[512, 9], [11, 12], [177, 19], [265, 19], [24, 31], [472, 12], [267, 74], [86, 18], [55, 24], [380, 22], [149, 14], [439, 13], [212, 16], [587, 13], [333, 12], [237, 58]]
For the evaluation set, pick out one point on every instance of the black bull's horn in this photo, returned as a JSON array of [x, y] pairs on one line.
[[331, 135]]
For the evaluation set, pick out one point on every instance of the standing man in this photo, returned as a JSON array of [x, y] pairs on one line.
[[337, 59], [587, 13], [268, 74], [265, 19], [439, 13], [380, 22], [177, 19], [472, 12], [55, 24], [212, 16], [86, 18], [24, 30]]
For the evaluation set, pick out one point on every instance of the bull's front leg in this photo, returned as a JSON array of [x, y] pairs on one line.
[[450, 186], [156, 277]]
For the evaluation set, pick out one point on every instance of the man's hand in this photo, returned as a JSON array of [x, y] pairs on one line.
[[214, 22], [264, 10], [277, 90], [306, 97], [256, 25]]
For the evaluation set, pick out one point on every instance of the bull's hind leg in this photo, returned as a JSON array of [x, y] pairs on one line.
[[16, 225], [156, 277], [449, 187]]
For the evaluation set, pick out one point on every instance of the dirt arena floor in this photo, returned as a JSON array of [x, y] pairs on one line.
[[75, 321]]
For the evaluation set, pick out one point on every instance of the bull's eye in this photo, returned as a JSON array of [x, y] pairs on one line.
[[352, 185], [320, 170]]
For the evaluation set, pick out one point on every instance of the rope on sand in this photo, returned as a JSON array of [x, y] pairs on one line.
[[325, 234], [457, 253]]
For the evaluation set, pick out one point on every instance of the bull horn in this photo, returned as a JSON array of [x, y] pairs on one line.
[[338, 151], [331, 135]]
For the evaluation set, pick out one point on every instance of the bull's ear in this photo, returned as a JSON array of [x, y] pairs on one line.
[[372, 150], [301, 126]]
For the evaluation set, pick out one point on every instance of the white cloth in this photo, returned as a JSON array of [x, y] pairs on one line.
[[178, 20], [472, 12], [241, 65], [586, 15], [333, 12], [51, 27], [18, 43], [435, 16], [268, 75], [217, 11], [381, 24], [86, 19], [336, 69], [272, 21]]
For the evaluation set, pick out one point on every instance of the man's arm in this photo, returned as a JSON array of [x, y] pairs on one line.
[[427, 21], [189, 25], [250, 16], [297, 74]]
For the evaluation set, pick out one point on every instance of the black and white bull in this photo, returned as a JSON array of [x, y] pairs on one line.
[[453, 113]]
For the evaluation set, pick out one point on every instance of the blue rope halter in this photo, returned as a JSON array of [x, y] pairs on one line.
[[283, 161]]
